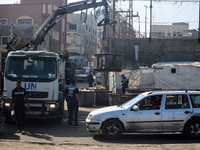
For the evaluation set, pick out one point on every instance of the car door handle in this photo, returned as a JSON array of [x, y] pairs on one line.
[[157, 113], [187, 112]]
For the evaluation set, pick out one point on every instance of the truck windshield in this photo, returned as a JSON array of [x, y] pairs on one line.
[[31, 69]]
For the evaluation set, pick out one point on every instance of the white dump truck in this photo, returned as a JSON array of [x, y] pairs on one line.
[[39, 70], [39, 74]]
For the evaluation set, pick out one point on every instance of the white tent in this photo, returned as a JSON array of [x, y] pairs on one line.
[[177, 75]]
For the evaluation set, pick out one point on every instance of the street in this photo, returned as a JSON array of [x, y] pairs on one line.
[[45, 134], [41, 134]]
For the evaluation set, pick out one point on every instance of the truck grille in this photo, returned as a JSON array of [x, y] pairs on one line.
[[37, 94]]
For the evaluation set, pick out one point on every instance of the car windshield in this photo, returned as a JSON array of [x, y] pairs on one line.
[[131, 101], [31, 69]]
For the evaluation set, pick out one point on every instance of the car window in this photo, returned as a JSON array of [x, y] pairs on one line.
[[177, 102], [195, 100], [131, 101], [151, 102]]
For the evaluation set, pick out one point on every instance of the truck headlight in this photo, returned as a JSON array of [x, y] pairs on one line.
[[52, 106], [7, 104]]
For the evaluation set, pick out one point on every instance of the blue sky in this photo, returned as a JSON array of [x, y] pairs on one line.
[[8, 1]]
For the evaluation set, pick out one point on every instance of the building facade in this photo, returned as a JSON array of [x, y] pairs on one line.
[[34, 13], [175, 30], [88, 30], [77, 44]]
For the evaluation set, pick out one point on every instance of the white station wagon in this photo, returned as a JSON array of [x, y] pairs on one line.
[[155, 111]]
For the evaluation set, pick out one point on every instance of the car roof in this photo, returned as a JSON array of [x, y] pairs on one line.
[[172, 92]]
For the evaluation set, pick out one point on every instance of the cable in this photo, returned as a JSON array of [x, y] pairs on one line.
[[83, 16]]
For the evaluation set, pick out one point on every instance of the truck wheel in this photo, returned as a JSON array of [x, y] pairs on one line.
[[112, 129], [192, 129]]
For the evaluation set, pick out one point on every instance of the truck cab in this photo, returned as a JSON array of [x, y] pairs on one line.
[[39, 75]]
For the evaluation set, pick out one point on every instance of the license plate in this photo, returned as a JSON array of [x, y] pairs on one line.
[[33, 112]]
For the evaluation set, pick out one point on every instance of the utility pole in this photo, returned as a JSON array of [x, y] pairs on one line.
[[138, 22], [114, 26], [145, 20], [150, 19], [130, 17], [199, 24]]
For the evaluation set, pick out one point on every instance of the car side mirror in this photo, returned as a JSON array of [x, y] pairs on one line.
[[135, 108]]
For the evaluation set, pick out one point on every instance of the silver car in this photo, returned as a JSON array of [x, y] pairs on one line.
[[155, 111], [81, 75]]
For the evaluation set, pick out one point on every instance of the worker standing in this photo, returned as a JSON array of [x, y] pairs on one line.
[[124, 83], [18, 96], [73, 102], [90, 80]]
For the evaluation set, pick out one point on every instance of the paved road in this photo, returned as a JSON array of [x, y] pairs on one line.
[[47, 135], [42, 135]]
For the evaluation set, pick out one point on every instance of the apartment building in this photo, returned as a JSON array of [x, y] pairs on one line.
[[175, 30], [34, 13], [88, 30]]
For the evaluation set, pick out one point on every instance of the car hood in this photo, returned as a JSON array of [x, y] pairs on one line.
[[106, 110]]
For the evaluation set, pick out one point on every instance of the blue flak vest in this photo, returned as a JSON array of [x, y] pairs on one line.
[[126, 82], [72, 91]]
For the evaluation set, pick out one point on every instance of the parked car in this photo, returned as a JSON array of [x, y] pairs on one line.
[[81, 75], [176, 111], [87, 69], [98, 77]]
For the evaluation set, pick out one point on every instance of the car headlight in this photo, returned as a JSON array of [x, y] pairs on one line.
[[89, 118]]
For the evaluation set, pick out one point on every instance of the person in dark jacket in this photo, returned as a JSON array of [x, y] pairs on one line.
[[124, 83], [73, 102], [19, 95], [90, 80]]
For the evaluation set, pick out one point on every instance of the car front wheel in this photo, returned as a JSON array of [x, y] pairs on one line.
[[192, 129], [112, 129]]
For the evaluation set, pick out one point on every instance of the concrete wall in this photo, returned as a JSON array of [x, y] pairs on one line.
[[156, 50]]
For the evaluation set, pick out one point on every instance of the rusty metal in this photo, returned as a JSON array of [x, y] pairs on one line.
[[108, 62]]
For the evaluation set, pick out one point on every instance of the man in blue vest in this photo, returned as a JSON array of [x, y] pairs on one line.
[[73, 102], [124, 83]]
